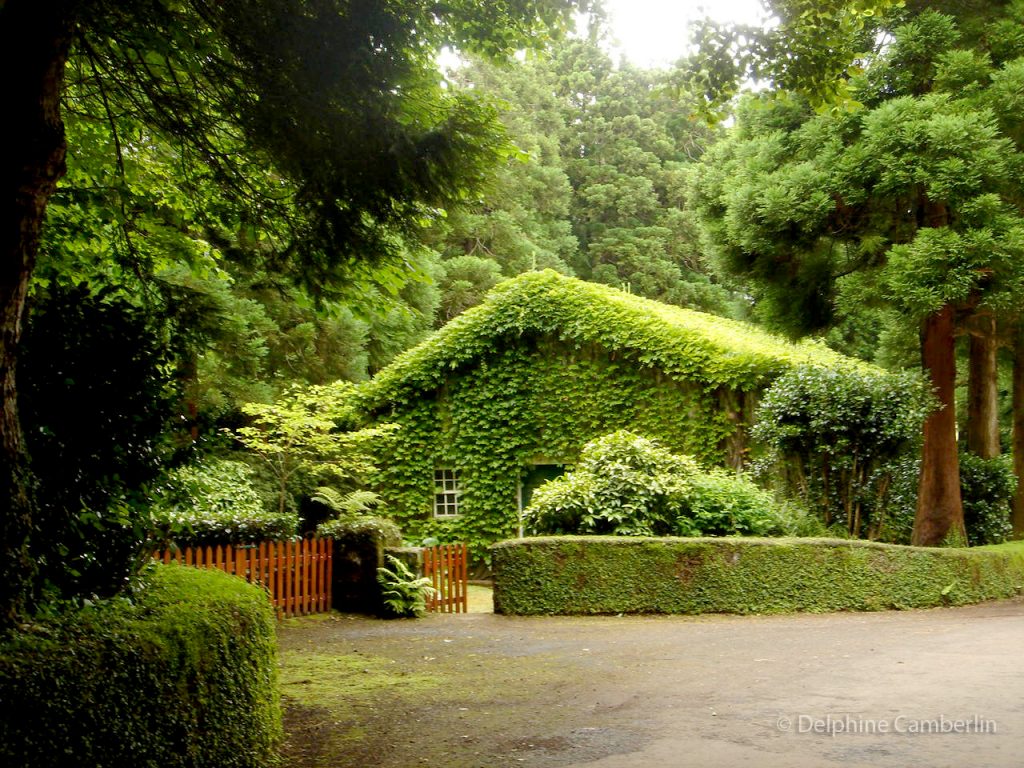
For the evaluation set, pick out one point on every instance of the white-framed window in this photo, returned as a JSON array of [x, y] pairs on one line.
[[447, 489]]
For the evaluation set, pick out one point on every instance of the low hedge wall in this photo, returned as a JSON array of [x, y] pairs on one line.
[[608, 575], [184, 674]]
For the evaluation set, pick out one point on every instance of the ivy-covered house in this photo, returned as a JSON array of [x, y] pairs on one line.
[[503, 397]]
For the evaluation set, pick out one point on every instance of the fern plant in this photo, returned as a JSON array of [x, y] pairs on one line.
[[350, 504], [405, 594]]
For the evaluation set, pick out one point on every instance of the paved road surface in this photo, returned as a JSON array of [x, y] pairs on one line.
[[928, 688]]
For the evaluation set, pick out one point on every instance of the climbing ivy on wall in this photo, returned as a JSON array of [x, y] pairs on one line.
[[546, 364], [536, 400], [684, 344]]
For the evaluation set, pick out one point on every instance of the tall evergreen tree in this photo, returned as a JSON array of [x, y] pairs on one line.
[[920, 185], [628, 141]]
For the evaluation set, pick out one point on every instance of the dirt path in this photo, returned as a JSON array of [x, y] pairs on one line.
[[479, 690]]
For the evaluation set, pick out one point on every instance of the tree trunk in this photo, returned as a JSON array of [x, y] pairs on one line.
[[35, 37], [983, 390], [940, 511], [1018, 431]]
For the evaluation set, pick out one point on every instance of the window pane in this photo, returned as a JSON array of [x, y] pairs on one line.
[[446, 492]]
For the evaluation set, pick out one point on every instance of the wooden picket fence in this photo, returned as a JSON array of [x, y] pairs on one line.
[[297, 574], [446, 565]]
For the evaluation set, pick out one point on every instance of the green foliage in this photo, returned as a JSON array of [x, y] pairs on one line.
[[342, 107], [307, 432], [627, 485], [351, 504], [623, 484], [988, 487], [405, 595], [464, 282], [139, 219], [833, 433], [685, 344], [355, 532], [812, 49], [182, 673], [521, 222], [919, 187], [891, 499], [215, 502], [318, 134], [599, 187], [545, 364], [628, 137], [722, 503], [97, 417], [609, 575]]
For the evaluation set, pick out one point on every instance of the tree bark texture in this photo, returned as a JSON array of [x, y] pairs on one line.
[[35, 38], [1018, 431], [983, 389], [940, 510]]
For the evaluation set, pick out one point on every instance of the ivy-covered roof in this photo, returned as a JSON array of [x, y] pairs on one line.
[[683, 343]]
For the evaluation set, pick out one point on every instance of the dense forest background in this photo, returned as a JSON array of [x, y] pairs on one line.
[[599, 176], [592, 182]]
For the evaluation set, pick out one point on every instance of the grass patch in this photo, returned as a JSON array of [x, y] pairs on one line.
[[480, 599], [325, 680]]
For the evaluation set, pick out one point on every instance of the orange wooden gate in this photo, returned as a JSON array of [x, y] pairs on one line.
[[297, 574], [446, 565]]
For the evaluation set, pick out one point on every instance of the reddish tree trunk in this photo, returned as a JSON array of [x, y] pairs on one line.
[[35, 37], [1018, 432], [939, 508], [983, 390]]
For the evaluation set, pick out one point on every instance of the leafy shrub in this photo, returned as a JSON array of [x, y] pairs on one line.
[[348, 505], [627, 485], [891, 499], [307, 437], [615, 574], [719, 503], [96, 416], [216, 502], [327, 503], [182, 674], [987, 487], [831, 432], [405, 594], [353, 531]]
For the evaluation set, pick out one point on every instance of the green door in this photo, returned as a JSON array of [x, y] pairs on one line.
[[535, 477]]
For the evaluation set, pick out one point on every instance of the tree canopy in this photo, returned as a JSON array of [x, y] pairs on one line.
[[914, 188], [316, 134]]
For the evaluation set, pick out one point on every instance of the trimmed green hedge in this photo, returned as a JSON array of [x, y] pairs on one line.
[[183, 674], [607, 575]]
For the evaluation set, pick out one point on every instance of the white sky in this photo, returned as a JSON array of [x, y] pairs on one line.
[[654, 33]]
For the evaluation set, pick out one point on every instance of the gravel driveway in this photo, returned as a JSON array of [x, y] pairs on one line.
[[941, 687]]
